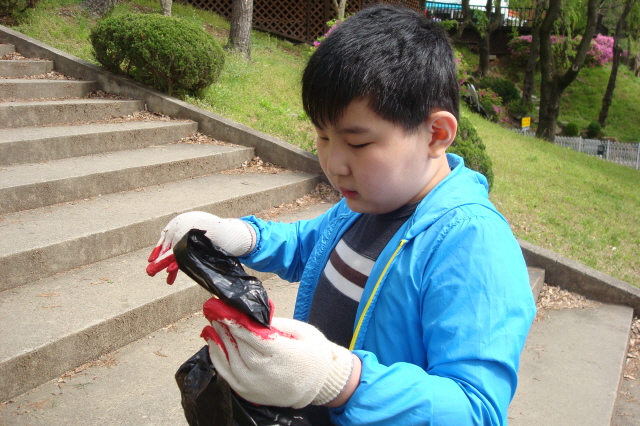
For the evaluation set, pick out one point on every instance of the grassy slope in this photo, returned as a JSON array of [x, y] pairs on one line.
[[581, 207], [582, 101]]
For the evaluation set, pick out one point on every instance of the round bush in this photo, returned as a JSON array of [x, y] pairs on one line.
[[571, 129], [518, 109], [503, 87], [470, 147], [593, 130], [169, 54]]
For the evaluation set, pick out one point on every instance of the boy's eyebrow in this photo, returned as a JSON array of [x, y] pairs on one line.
[[353, 129]]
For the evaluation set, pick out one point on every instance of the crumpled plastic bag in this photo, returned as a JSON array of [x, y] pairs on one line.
[[207, 399], [222, 275]]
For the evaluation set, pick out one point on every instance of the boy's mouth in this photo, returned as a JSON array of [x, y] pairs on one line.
[[348, 194]]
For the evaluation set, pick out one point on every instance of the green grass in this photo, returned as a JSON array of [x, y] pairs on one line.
[[582, 101], [581, 207]]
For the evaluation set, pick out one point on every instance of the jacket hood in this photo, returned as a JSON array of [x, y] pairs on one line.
[[461, 187]]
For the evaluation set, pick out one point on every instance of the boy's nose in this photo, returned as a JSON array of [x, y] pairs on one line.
[[336, 163]]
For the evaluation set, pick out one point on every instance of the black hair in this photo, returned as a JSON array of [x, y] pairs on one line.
[[392, 56]]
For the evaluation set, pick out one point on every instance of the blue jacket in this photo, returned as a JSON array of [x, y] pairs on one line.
[[444, 314]]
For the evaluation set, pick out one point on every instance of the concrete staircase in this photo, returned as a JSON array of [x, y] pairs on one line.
[[83, 203], [87, 337]]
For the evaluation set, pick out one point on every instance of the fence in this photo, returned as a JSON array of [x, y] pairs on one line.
[[627, 154], [520, 18], [301, 20]]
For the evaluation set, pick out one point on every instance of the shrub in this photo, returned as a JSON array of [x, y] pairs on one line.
[[600, 51], [332, 24], [15, 7], [469, 146], [571, 129], [564, 50], [593, 130], [492, 105], [502, 87], [169, 54], [518, 109]]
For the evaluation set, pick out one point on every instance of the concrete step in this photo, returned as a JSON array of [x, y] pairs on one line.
[[133, 385], [571, 367], [64, 321], [6, 49], [38, 243], [35, 144], [41, 113], [41, 88], [34, 185], [24, 68]]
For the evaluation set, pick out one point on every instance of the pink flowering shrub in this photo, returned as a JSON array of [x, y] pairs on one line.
[[332, 25], [492, 104], [464, 69], [600, 51], [564, 50]]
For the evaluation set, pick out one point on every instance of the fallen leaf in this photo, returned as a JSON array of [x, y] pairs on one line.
[[40, 404], [160, 354]]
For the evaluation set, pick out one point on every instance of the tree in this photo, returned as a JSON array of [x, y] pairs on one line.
[[166, 7], [617, 51], [339, 6], [240, 33], [553, 81], [530, 70], [483, 24]]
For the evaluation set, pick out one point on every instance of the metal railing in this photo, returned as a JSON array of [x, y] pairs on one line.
[[626, 154], [519, 18]]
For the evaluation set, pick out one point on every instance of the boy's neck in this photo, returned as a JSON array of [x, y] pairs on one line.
[[441, 165]]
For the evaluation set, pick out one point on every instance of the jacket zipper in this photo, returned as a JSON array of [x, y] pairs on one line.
[[375, 290]]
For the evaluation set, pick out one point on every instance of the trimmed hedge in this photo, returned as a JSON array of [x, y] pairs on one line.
[[506, 89], [470, 147], [169, 54]]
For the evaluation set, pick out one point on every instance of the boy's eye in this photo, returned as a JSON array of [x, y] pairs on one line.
[[362, 145]]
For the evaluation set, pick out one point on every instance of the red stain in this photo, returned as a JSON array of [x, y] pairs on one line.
[[218, 311], [209, 334], [154, 254]]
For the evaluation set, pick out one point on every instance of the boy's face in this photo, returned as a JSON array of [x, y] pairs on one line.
[[376, 165]]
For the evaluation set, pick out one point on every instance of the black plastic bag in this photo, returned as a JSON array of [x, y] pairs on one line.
[[207, 399], [222, 275]]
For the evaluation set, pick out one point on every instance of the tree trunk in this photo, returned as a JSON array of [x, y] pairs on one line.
[[466, 21], [166, 7], [485, 37], [240, 33], [530, 71], [485, 50], [553, 84], [339, 7], [617, 51]]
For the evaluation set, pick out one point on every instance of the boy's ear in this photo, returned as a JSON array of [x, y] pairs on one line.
[[442, 126]]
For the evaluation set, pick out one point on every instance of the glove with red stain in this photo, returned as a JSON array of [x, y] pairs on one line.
[[234, 236], [291, 364]]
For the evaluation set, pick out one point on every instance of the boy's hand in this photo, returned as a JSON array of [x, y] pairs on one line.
[[291, 364], [234, 236]]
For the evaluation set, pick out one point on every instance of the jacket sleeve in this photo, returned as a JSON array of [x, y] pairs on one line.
[[284, 248], [475, 309]]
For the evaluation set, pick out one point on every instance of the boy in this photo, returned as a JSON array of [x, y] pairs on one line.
[[413, 270]]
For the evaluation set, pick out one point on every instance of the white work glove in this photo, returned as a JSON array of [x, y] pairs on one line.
[[292, 364], [234, 236]]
